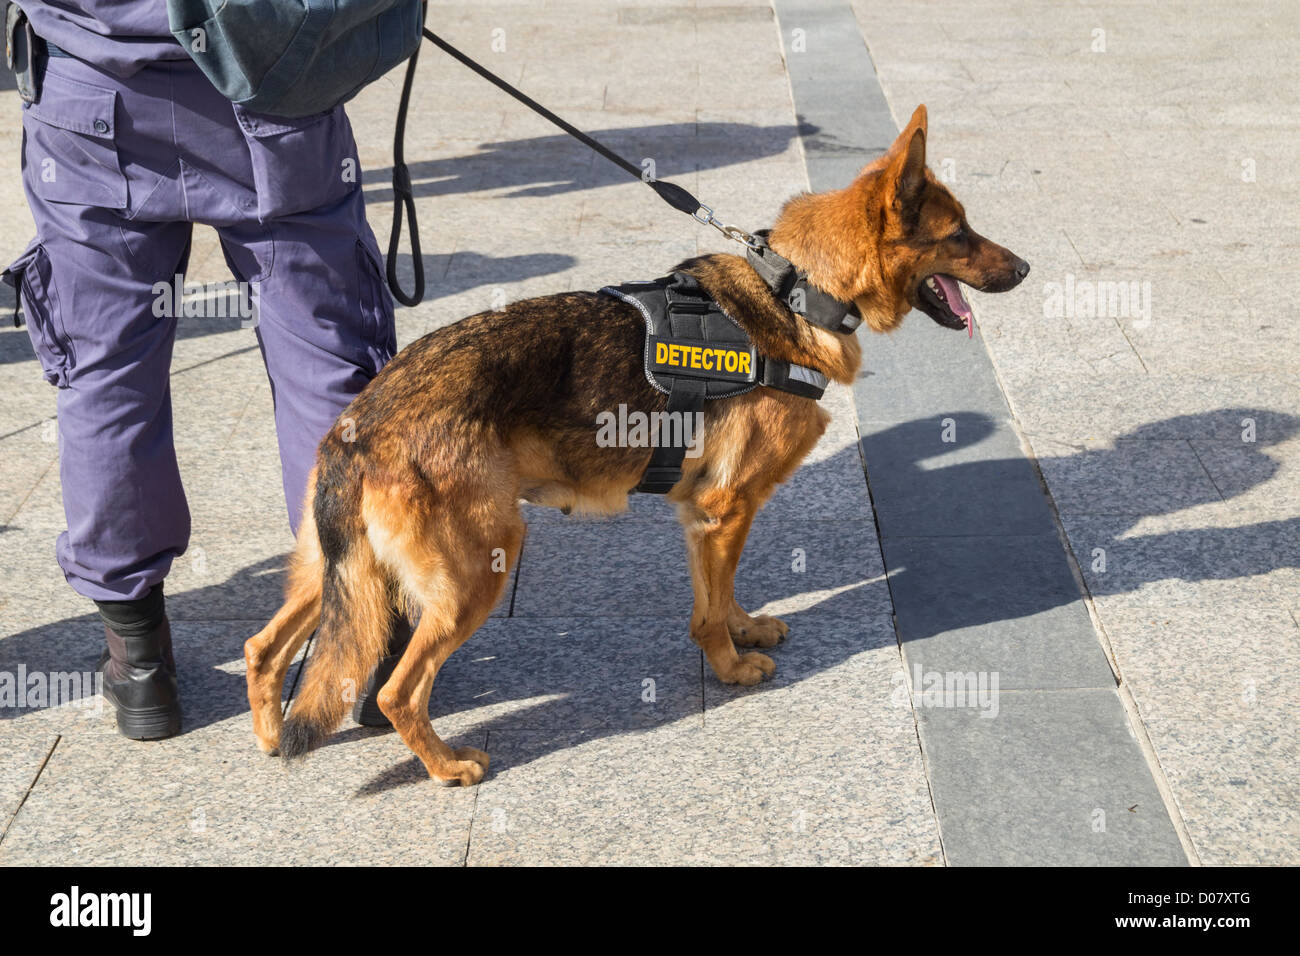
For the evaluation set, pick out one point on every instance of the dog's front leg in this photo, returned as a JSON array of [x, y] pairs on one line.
[[714, 546], [761, 631]]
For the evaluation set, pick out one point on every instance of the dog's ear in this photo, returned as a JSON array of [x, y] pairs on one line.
[[907, 161]]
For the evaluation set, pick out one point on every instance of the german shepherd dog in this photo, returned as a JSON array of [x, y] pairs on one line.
[[417, 486]]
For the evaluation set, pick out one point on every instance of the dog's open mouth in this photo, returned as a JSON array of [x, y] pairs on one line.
[[941, 299]]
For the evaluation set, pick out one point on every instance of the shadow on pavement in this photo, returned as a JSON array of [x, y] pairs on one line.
[[213, 695], [552, 165], [472, 270], [537, 166]]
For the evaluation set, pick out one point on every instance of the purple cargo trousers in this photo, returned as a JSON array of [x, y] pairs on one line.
[[116, 170]]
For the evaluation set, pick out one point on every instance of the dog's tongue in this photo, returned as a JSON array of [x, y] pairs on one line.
[[956, 301]]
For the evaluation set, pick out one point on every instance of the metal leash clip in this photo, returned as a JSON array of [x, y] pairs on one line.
[[731, 232]]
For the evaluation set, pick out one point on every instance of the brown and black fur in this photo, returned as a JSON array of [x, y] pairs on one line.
[[415, 496]]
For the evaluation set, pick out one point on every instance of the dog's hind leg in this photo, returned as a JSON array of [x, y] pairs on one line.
[[268, 655], [714, 546], [270, 652], [457, 579]]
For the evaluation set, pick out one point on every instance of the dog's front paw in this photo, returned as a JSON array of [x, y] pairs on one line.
[[747, 669], [466, 770], [761, 631]]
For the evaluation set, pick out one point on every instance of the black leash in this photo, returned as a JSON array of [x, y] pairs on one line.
[[403, 197]]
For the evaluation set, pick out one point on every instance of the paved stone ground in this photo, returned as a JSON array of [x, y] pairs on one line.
[[1162, 157], [1097, 165]]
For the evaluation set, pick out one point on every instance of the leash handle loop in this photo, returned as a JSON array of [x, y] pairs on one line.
[[404, 202], [404, 197]]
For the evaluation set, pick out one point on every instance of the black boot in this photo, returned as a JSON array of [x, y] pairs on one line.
[[138, 668], [366, 710]]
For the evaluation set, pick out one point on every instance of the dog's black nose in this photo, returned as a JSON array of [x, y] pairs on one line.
[[1022, 269]]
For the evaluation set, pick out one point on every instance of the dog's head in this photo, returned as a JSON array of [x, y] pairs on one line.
[[895, 240]]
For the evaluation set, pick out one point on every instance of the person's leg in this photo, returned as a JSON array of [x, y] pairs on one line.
[[89, 307], [87, 286], [89, 310], [324, 322], [122, 495]]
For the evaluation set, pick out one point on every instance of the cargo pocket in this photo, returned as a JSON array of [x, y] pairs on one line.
[[299, 164], [376, 306], [33, 279], [70, 148]]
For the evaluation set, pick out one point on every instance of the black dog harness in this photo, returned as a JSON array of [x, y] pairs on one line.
[[695, 352]]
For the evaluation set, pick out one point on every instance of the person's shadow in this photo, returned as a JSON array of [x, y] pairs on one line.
[[546, 681], [558, 163], [533, 166]]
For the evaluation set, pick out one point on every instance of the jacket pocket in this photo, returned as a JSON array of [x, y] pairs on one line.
[[71, 148], [299, 164], [33, 278]]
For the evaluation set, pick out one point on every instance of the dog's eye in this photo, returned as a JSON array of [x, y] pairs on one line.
[[959, 235]]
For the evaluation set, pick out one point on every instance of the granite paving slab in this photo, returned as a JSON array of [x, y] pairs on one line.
[[1048, 783]]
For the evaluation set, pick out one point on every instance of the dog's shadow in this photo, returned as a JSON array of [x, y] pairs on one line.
[[823, 635], [548, 681]]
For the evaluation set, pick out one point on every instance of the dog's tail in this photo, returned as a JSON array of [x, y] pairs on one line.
[[356, 611]]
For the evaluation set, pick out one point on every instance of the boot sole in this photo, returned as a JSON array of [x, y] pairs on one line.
[[146, 723]]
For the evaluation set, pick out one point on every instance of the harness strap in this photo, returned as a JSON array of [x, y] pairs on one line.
[[796, 379], [685, 397]]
